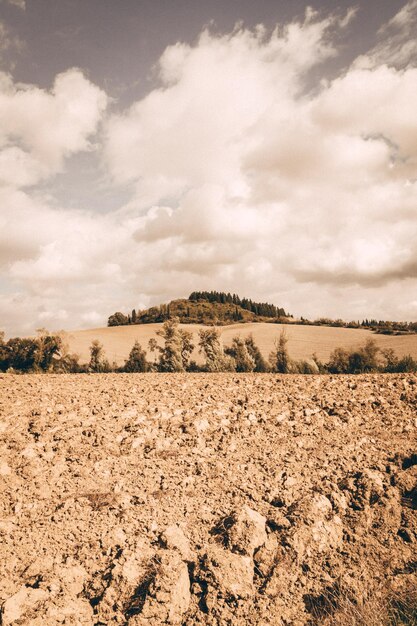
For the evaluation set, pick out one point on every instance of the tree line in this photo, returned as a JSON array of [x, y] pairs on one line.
[[384, 327], [203, 307], [263, 309], [220, 308], [48, 353]]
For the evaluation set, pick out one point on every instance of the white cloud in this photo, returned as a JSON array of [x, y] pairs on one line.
[[241, 180], [193, 129], [39, 129], [319, 185], [45, 249]]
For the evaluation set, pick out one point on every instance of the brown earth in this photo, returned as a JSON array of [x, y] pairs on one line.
[[147, 499], [303, 340]]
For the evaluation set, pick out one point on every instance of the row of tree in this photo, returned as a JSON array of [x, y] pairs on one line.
[[203, 307], [47, 353], [29, 355], [384, 327], [263, 309]]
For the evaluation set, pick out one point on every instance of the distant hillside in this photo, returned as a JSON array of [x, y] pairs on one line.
[[204, 307], [303, 340]]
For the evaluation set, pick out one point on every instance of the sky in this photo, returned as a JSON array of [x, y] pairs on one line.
[[151, 148]]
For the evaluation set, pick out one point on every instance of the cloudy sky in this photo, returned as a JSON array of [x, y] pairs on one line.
[[150, 148]]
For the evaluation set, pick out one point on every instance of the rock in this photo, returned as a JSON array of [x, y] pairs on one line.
[[247, 532], [73, 579], [4, 469], [407, 479]]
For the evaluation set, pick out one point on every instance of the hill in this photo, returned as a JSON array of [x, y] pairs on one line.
[[203, 307], [303, 340]]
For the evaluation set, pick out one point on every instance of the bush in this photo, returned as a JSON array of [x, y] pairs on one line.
[[339, 361], [279, 358], [68, 364], [175, 353], [304, 367], [215, 358], [98, 362], [238, 351], [406, 364], [137, 360], [260, 364], [356, 361]]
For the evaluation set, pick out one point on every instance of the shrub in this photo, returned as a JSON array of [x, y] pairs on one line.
[[279, 358], [244, 362], [20, 354], [304, 367], [355, 361], [260, 364], [187, 347], [339, 361], [407, 364], [49, 349], [98, 362], [174, 354], [215, 358], [137, 360]]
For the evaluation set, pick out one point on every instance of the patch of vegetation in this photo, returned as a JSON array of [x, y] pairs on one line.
[[203, 307], [383, 327], [47, 353], [336, 607]]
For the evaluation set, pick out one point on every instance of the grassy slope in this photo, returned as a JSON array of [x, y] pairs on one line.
[[303, 340]]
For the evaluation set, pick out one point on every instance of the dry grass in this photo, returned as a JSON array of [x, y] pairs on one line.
[[303, 341], [100, 500], [336, 608]]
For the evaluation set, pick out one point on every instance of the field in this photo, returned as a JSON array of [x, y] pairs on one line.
[[303, 340], [222, 499]]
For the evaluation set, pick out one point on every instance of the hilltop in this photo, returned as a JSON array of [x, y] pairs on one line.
[[222, 309], [204, 307]]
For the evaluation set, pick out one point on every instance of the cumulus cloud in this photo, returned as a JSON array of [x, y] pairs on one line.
[[43, 247], [232, 149], [39, 129], [242, 178], [192, 130]]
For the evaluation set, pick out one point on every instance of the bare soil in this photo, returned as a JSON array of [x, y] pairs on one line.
[[147, 499], [303, 340]]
